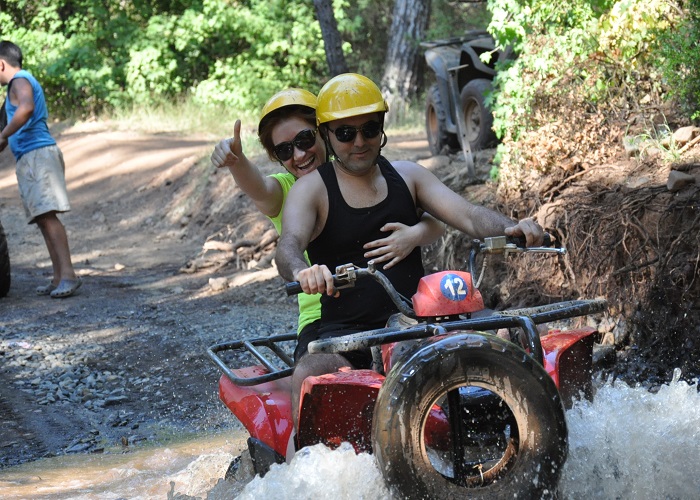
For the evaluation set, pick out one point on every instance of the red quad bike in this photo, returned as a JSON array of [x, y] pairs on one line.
[[450, 410]]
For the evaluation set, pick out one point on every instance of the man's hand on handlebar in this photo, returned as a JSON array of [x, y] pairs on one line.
[[530, 230], [316, 279]]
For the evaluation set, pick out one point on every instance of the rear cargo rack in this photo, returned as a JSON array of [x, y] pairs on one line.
[[457, 40], [252, 347]]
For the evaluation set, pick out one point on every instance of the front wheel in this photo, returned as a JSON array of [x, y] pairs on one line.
[[469, 416], [4, 264]]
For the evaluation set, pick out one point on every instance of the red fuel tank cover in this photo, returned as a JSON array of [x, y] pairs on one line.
[[447, 293]]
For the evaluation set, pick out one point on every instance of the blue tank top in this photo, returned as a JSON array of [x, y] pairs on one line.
[[35, 133], [347, 229]]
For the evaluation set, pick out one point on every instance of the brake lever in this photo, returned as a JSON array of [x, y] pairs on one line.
[[345, 276]]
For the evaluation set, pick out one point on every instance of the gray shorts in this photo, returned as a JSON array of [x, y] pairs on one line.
[[42, 182]]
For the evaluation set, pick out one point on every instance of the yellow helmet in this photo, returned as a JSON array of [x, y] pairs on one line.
[[288, 97], [348, 95]]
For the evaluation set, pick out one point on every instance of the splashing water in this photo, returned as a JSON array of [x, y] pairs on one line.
[[319, 473], [626, 443], [630, 443]]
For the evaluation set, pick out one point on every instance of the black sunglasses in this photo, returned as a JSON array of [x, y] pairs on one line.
[[347, 133], [304, 140]]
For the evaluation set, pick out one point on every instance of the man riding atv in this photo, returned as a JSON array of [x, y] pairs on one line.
[[462, 412], [335, 210]]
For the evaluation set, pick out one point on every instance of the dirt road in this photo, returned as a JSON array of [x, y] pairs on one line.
[[123, 361]]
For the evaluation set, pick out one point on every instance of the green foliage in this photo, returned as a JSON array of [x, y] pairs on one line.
[[590, 53], [273, 44], [679, 47], [113, 56], [450, 19], [656, 140], [96, 56], [366, 37]]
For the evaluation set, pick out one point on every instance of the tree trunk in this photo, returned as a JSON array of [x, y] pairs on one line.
[[331, 37], [400, 80]]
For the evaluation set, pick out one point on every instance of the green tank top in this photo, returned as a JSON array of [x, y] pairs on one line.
[[309, 305]]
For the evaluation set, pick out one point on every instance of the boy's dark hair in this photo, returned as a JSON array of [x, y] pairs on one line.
[[11, 53]]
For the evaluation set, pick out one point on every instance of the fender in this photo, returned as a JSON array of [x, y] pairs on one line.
[[440, 59], [568, 358], [475, 67], [338, 407], [265, 410]]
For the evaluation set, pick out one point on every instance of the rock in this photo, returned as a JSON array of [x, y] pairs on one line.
[[603, 356], [685, 134], [435, 162], [79, 448], [218, 284], [636, 182], [678, 180], [99, 217], [631, 145], [114, 400]]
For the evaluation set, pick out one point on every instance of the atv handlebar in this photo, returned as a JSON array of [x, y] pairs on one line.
[[346, 275]]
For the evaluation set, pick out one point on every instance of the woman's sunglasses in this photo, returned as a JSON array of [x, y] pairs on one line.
[[304, 140], [347, 133]]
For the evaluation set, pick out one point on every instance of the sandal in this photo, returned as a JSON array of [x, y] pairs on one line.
[[66, 288], [45, 289]]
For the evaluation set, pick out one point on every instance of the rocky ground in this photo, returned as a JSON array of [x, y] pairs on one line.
[[124, 361]]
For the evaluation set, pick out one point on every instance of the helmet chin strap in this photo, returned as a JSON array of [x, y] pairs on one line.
[[385, 139], [327, 141]]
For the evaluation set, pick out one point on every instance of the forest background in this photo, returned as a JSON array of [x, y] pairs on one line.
[[231, 55], [591, 76]]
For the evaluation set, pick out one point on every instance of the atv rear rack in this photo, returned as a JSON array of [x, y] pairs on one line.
[[251, 347]]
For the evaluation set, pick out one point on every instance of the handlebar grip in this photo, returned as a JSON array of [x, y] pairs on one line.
[[520, 241], [293, 288]]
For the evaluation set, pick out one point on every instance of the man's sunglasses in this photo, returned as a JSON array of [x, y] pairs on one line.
[[304, 140], [347, 133]]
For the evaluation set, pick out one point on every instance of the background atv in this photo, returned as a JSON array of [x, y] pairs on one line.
[[455, 113], [450, 409], [4, 264]]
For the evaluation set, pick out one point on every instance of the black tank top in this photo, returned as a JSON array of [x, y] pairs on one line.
[[347, 229]]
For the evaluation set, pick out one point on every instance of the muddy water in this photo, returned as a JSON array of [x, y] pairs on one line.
[[626, 443]]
